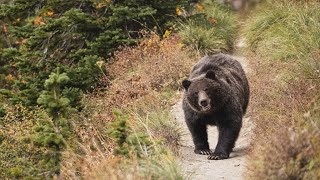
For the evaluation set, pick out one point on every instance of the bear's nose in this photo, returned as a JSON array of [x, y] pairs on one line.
[[204, 103]]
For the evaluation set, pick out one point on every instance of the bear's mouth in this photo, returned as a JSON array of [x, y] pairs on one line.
[[206, 108]]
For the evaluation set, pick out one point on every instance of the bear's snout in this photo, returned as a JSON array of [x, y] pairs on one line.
[[204, 101]]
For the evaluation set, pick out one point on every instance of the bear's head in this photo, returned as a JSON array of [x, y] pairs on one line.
[[205, 94]]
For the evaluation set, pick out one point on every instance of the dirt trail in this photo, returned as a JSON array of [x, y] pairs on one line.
[[197, 167]]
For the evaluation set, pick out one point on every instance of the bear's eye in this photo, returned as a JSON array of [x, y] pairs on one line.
[[228, 81], [206, 89], [195, 93]]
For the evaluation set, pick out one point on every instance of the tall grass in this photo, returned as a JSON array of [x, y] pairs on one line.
[[285, 30], [151, 137], [209, 30], [284, 42]]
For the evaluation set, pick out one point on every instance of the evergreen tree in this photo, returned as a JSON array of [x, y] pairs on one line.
[[49, 51], [40, 36], [52, 134]]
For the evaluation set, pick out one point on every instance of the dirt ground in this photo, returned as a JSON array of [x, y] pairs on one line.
[[197, 167]]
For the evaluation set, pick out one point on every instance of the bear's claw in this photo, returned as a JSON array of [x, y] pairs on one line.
[[217, 156], [203, 151]]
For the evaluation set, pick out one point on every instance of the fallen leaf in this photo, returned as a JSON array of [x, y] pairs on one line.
[[50, 13], [199, 7], [179, 11], [212, 20], [9, 77], [24, 40], [4, 29]]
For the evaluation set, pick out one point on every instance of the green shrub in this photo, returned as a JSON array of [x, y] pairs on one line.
[[52, 134], [210, 30], [40, 37], [128, 141]]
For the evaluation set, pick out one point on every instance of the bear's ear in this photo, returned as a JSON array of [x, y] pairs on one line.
[[186, 83], [211, 75]]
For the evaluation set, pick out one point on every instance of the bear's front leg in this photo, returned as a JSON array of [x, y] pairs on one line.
[[228, 135], [200, 138]]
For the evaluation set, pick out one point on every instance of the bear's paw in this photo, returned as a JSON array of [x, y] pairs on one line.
[[203, 151], [218, 156]]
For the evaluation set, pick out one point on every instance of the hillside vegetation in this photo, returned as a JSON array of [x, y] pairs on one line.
[[284, 43], [52, 62], [210, 29], [86, 87]]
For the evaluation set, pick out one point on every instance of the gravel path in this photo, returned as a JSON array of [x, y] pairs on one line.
[[197, 167]]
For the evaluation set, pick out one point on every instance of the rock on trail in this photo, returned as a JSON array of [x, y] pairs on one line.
[[197, 167]]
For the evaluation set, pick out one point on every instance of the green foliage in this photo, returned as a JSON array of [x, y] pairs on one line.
[[119, 131], [210, 30], [51, 98], [20, 157], [52, 134], [46, 136], [128, 142], [42, 36], [7, 57], [16, 172]]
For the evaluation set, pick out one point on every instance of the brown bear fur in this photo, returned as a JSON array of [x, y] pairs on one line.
[[216, 93]]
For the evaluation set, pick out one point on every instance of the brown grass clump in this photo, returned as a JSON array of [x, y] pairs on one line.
[[144, 79], [153, 65], [286, 142], [284, 36], [289, 155]]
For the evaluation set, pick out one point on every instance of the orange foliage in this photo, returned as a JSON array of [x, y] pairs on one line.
[[9, 77], [212, 20], [38, 21], [199, 7]]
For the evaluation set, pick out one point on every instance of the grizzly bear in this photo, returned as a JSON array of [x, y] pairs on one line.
[[216, 93]]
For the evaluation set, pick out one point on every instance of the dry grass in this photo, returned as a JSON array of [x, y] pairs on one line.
[[152, 66], [284, 44], [152, 115], [285, 145], [290, 154]]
